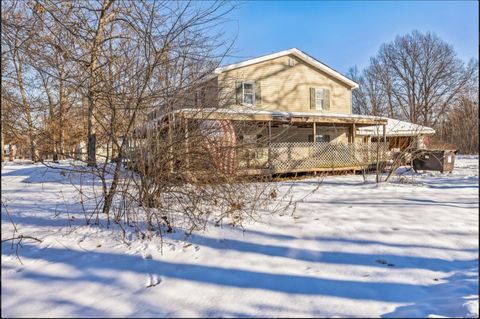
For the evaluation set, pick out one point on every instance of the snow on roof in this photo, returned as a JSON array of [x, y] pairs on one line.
[[299, 54], [276, 113], [155, 122], [396, 128]]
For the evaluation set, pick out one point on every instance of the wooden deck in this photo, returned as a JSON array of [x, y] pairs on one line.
[[294, 157], [310, 157]]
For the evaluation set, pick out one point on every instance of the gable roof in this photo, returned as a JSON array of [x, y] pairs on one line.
[[299, 54]]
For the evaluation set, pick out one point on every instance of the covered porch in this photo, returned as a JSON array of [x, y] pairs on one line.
[[400, 135], [273, 142]]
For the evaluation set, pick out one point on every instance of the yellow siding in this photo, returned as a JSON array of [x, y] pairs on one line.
[[338, 134], [300, 134], [204, 95], [286, 88]]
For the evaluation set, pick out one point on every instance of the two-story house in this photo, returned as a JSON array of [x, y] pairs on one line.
[[298, 112]]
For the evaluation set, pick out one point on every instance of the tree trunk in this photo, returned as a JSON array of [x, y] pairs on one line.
[[26, 107], [92, 161], [61, 115], [51, 115], [3, 146]]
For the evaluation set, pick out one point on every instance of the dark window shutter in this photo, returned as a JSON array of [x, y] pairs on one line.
[[197, 99], [258, 94], [238, 92], [326, 99], [312, 98]]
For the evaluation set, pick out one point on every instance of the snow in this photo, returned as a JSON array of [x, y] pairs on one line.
[[275, 113], [396, 128], [406, 248], [244, 110]]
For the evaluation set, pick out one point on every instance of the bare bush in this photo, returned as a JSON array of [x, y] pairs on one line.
[[96, 72]]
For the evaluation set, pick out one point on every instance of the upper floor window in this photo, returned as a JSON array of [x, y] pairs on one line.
[[248, 93], [248, 90], [320, 99]]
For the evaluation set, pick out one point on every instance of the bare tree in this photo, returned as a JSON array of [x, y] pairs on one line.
[[369, 98], [18, 25], [417, 77], [97, 71], [460, 126]]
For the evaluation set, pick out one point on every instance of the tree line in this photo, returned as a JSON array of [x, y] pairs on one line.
[[419, 78], [92, 73], [86, 71]]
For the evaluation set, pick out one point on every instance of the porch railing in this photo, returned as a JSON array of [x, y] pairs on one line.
[[297, 156]]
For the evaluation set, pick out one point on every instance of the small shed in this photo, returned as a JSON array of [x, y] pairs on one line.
[[400, 135]]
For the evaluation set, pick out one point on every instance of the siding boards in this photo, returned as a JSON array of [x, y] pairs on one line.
[[300, 134], [287, 88]]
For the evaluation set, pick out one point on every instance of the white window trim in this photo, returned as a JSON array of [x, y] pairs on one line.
[[253, 93], [317, 107]]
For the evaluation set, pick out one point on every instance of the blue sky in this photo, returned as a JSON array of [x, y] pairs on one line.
[[347, 33]]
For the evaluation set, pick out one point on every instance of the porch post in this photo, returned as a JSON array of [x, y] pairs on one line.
[[314, 132], [354, 151], [384, 140], [384, 134], [354, 129], [269, 146]]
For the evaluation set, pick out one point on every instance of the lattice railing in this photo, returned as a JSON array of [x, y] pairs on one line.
[[296, 156], [252, 157], [311, 155]]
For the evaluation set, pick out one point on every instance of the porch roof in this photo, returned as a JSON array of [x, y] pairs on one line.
[[260, 115], [396, 128]]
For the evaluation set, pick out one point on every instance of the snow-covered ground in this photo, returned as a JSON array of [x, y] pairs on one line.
[[407, 248]]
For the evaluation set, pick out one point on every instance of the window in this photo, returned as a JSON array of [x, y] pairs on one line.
[[320, 99], [319, 138], [248, 93], [375, 139], [291, 62], [248, 89]]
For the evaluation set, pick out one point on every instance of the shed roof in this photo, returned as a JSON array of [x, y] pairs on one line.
[[260, 115], [396, 128], [250, 114]]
